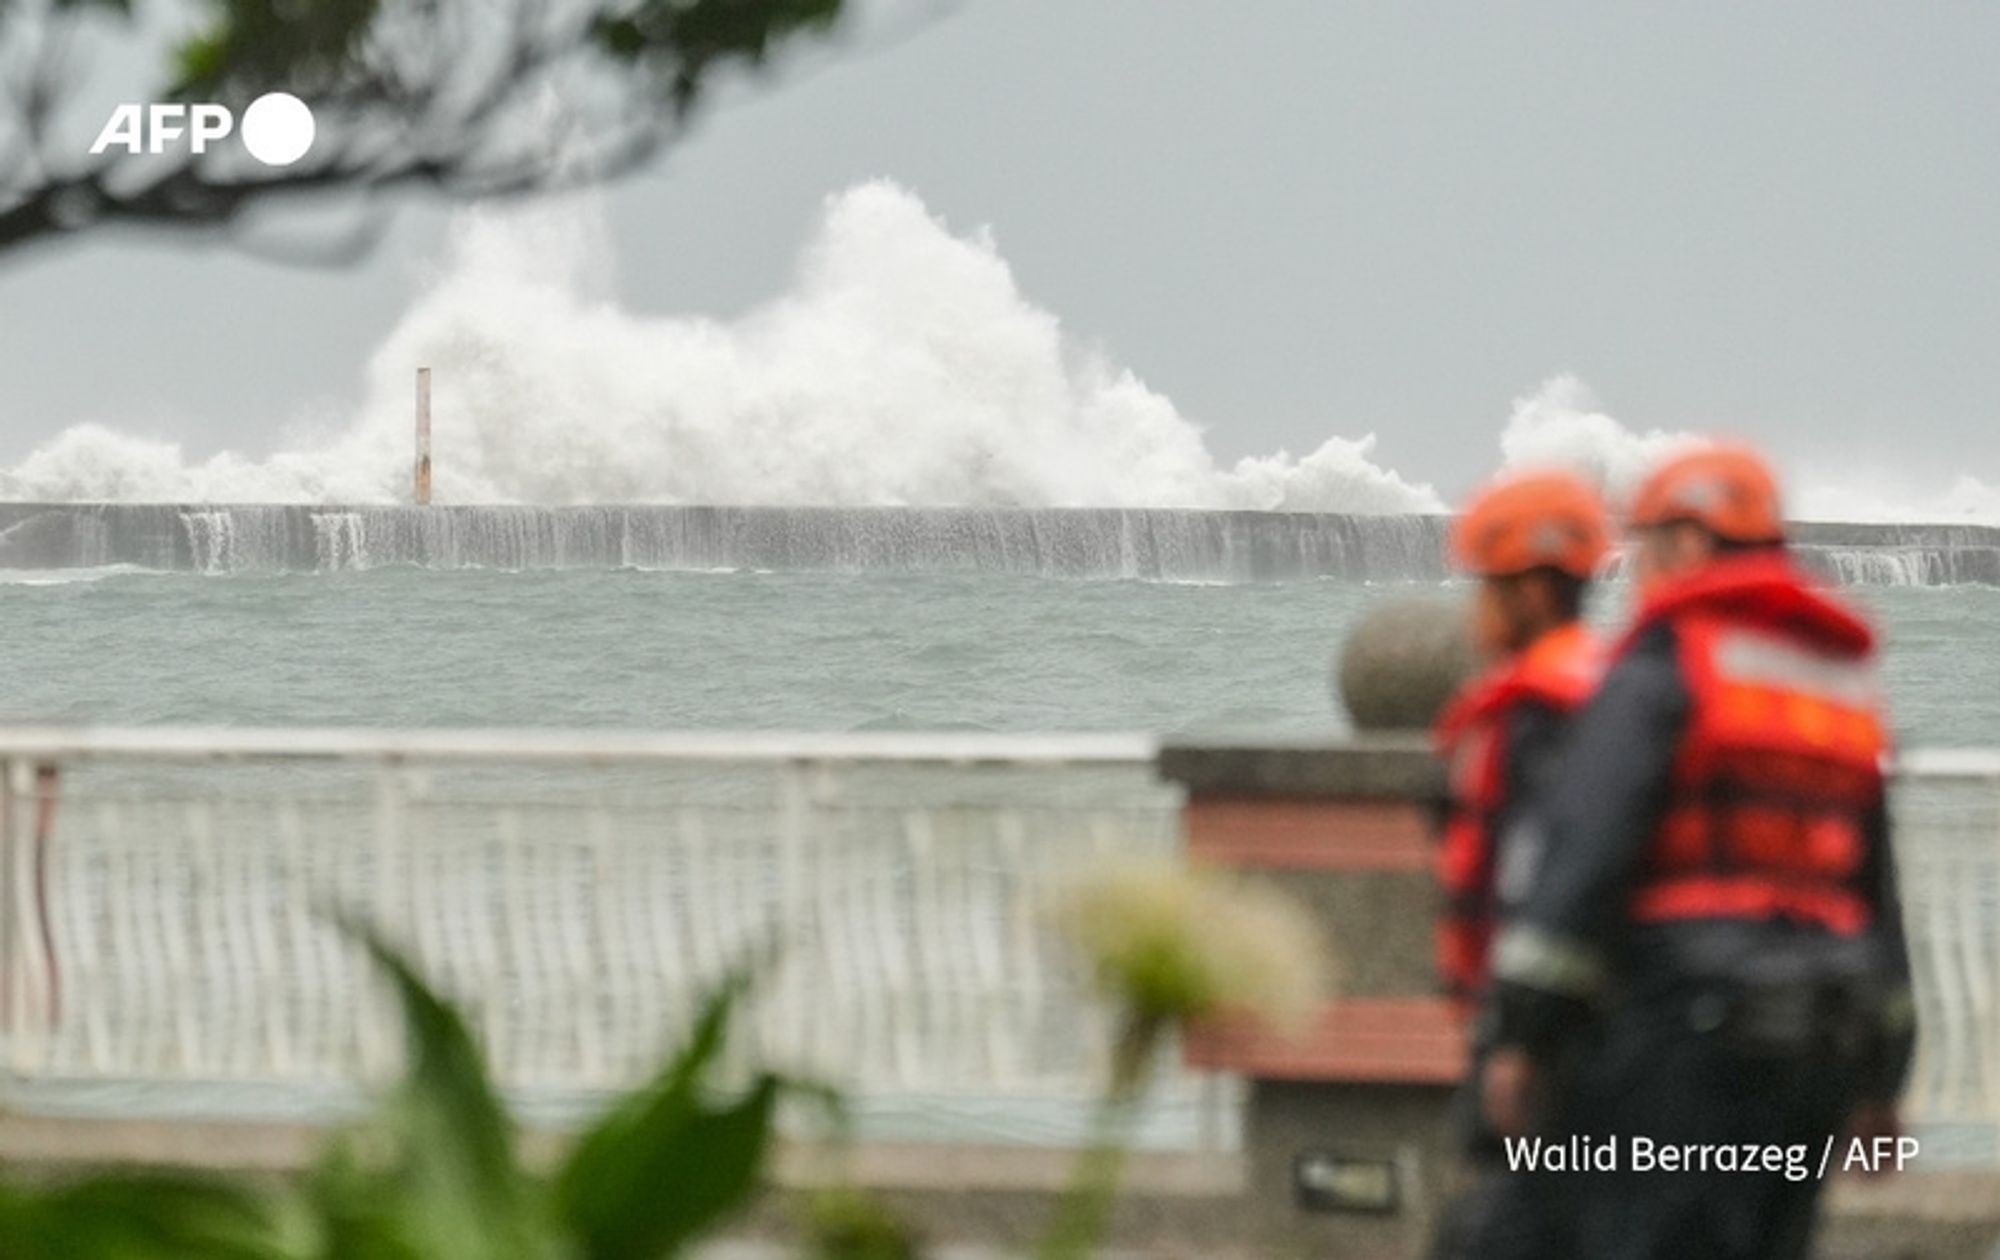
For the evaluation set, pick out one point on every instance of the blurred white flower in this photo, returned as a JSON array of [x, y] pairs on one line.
[[1175, 943]]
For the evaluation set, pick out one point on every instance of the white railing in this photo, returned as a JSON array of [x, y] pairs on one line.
[[164, 904], [164, 899], [1948, 828]]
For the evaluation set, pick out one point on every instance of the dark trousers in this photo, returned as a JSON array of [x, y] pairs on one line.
[[1503, 1215], [1652, 1076], [1499, 1213]]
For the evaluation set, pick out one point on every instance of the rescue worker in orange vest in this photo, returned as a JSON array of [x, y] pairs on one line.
[[1534, 541], [1714, 917]]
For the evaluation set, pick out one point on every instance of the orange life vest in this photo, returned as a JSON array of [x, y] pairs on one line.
[[1558, 671], [1781, 761]]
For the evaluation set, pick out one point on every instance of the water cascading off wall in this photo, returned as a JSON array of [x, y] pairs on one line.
[[904, 366], [1155, 544]]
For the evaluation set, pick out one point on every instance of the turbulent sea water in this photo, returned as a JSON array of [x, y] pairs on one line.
[[1064, 552], [806, 650], [814, 650]]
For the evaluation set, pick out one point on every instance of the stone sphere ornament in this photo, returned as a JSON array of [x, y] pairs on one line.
[[1402, 662]]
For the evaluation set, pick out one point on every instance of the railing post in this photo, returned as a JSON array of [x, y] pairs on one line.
[[796, 941], [376, 1033], [12, 1013], [25, 965]]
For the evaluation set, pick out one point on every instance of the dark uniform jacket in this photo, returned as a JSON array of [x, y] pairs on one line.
[[1576, 944]]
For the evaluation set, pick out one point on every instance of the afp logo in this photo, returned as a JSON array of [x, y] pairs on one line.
[[277, 128]]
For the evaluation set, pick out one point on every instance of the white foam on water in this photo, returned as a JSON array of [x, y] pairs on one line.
[[1967, 501], [70, 577], [1562, 424], [903, 367]]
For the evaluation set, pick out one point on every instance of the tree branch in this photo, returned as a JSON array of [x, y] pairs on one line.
[[426, 96]]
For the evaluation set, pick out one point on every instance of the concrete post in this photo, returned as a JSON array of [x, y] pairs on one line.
[[1348, 1142]]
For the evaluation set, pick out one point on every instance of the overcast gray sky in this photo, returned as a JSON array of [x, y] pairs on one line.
[[1295, 218]]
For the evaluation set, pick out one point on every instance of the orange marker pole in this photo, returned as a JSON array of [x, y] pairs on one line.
[[423, 478]]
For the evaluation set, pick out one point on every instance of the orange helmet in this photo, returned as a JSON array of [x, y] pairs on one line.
[[1724, 487], [1532, 521]]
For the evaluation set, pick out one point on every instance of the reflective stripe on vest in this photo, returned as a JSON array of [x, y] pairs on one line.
[[1529, 955]]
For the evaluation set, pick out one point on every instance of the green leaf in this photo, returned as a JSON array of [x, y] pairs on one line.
[[245, 47], [446, 1075], [621, 37], [667, 1164], [682, 42], [435, 1176], [683, 1171], [204, 59], [850, 1225], [138, 1216], [362, 1213]]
